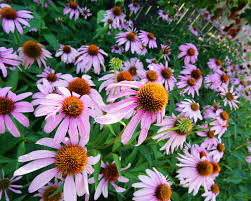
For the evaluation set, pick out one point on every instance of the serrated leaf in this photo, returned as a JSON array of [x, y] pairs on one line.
[[145, 152], [97, 168], [12, 79], [100, 15]]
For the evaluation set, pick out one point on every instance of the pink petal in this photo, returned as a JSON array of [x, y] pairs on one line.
[[49, 142], [11, 126], [70, 193], [21, 118], [62, 130], [34, 155], [33, 166], [42, 179]]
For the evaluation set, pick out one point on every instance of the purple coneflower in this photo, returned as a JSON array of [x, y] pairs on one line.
[[149, 101], [150, 76], [69, 160], [190, 52], [148, 38], [46, 3], [86, 12], [117, 15], [11, 105], [164, 15], [210, 139], [50, 75], [175, 129], [110, 79], [194, 72], [214, 64], [220, 124], [31, 51], [135, 68], [73, 8], [8, 59], [117, 49], [217, 151], [109, 175], [130, 39], [67, 53], [165, 51], [6, 184], [211, 192], [12, 19], [90, 55], [189, 108], [230, 96], [47, 191], [194, 30], [197, 170], [189, 85], [155, 187], [210, 111], [134, 7], [70, 108], [165, 75]]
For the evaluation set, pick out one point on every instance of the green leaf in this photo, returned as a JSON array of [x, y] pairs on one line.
[[146, 153], [117, 162], [116, 144], [20, 198], [100, 15], [97, 168], [51, 39], [20, 151], [12, 79]]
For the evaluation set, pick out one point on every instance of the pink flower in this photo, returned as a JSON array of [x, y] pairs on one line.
[[149, 100], [66, 165], [164, 15], [134, 7], [211, 192], [30, 51], [194, 72], [73, 109], [109, 21], [110, 79], [210, 111], [154, 187], [190, 52], [73, 8], [117, 49], [197, 170], [67, 53], [86, 12], [47, 191], [189, 108], [165, 51], [12, 19], [165, 75], [150, 76], [45, 89], [82, 86], [220, 124], [214, 64], [142, 50], [90, 55], [10, 105], [130, 39], [50, 75], [217, 151], [189, 85], [248, 159], [194, 30], [135, 68], [172, 129], [7, 184], [110, 175], [147, 38], [117, 16], [230, 96], [8, 59], [210, 137]]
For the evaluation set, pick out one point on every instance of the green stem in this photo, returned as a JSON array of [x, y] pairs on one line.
[[115, 74], [211, 106], [17, 37], [160, 57], [171, 129]]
